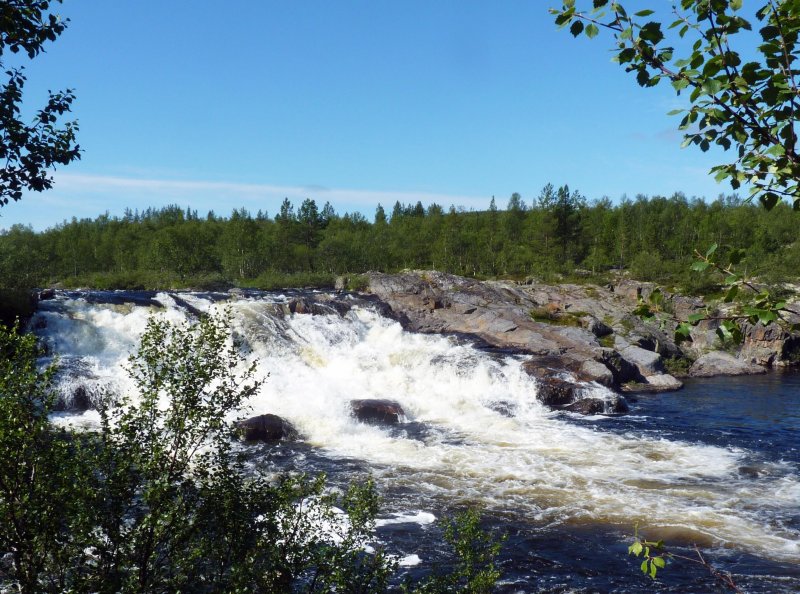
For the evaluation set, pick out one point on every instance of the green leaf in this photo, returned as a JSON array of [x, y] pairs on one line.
[[635, 548], [711, 250], [731, 294], [696, 318], [736, 256], [644, 565], [576, 28], [700, 265], [591, 30], [769, 200]]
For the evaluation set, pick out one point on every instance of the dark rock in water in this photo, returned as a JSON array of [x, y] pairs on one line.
[[46, 294], [554, 391], [268, 428], [507, 409], [596, 406], [749, 472], [79, 401], [377, 411]]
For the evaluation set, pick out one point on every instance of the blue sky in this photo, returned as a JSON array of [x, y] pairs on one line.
[[222, 105]]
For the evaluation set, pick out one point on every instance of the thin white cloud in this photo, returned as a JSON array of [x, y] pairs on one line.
[[88, 196], [341, 198]]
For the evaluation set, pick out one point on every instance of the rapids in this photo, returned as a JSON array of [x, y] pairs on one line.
[[475, 433]]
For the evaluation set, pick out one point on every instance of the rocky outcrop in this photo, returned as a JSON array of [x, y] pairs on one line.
[[769, 345], [719, 363], [267, 428], [564, 322], [377, 411]]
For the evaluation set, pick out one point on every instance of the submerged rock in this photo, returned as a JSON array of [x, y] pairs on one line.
[[377, 411], [268, 428], [598, 406]]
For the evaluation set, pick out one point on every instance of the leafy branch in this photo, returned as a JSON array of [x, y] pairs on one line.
[[655, 556]]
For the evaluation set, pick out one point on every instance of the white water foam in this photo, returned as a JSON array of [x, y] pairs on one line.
[[533, 463]]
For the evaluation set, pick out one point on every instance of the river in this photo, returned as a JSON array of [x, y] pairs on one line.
[[717, 463]]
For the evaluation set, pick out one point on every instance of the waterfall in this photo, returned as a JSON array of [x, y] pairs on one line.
[[474, 431]]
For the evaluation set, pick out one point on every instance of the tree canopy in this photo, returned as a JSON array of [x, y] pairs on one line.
[[29, 151], [742, 86]]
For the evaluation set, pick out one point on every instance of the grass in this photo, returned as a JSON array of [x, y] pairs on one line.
[[550, 315]]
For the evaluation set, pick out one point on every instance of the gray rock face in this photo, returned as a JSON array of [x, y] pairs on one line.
[[768, 345], [565, 321], [719, 363], [647, 362]]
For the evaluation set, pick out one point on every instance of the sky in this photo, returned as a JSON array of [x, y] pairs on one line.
[[222, 105]]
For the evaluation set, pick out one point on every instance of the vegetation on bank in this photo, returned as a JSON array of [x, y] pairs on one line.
[[159, 500], [558, 233]]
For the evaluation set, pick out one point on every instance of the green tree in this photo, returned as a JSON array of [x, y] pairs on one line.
[[742, 88], [30, 151]]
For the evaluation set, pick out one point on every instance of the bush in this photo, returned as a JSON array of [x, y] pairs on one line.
[[157, 500]]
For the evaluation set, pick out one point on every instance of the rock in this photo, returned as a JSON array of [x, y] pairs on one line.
[[719, 363], [596, 327], [268, 428], [554, 391], [769, 345], [46, 294], [78, 401], [598, 406], [622, 370], [595, 371], [647, 362], [659, 382], [340, 283], [377, 411]]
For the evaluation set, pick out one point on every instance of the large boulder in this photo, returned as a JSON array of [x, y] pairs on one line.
[[719, 363], [647, 362], [267, 428], [377, 411]]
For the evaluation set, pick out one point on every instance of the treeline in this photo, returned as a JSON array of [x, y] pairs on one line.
[[558, 232]]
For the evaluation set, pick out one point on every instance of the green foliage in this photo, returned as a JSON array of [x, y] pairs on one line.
[[30, 151], [655, 555], [357, 282], [474, 570], [742, 89], [159, 501]]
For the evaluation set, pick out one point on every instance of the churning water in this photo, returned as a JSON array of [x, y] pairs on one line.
[[566, 489]]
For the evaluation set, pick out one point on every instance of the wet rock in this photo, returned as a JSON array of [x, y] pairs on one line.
[[46, 294], [78, 401], [554, 391], [719, 363], [267, 428], [377, 411], [598, 406]]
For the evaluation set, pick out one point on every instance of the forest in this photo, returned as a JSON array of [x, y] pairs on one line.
[[557, 235]]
